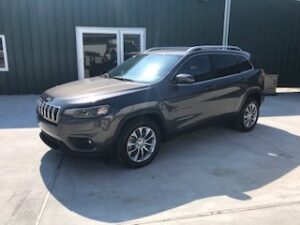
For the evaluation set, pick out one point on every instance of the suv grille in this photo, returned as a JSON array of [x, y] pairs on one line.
[[47, 111]]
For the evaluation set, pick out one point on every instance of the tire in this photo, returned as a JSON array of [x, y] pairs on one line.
[[135, 138], [248, 116]]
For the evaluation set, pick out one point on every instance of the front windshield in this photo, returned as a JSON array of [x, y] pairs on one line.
[[145, 68]]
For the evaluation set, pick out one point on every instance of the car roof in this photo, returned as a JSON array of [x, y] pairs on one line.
[[197, 49]]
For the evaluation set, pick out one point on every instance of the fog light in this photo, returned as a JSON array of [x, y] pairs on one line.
[[82, 143]]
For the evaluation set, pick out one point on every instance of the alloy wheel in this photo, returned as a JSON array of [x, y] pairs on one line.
[[141, 144], [250, 115]]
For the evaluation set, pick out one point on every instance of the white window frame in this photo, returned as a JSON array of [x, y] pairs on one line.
[[118, 31], [5, 69], [140, 31]]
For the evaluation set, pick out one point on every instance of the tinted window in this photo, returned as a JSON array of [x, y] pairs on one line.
[[224, 65], [243, 63], [198, 66]]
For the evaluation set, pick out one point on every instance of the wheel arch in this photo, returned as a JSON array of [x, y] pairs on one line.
[[149, 114], [256, 96], [254, 93]]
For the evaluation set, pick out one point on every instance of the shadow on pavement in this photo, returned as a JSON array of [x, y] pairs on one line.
[[202, 164]]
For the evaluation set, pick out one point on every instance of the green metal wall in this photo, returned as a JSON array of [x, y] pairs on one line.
[[41, 42], [270, 30]]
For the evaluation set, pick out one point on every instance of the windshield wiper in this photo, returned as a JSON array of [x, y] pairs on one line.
[[123, 79], [105, 75]]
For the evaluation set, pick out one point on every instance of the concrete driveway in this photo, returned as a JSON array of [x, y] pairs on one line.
[[212, 176]]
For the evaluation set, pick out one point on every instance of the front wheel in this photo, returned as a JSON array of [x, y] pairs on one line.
[[248, 116], [139, 143]]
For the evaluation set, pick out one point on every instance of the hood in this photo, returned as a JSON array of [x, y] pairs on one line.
[[96, 88]]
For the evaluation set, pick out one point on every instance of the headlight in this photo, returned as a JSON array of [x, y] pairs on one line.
[[88, 112]]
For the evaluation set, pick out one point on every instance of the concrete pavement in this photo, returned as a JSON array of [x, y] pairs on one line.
[[212, 176]]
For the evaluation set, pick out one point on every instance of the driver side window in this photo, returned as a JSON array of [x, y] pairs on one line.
[[198, 66]]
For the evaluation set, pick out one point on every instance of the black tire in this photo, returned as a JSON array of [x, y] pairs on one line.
[[121, 152], [240, 123]]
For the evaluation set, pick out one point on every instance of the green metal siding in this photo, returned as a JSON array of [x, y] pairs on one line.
[[41, 42], [270, 30]]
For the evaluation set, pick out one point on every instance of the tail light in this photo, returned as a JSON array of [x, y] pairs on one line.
[[261, 77]]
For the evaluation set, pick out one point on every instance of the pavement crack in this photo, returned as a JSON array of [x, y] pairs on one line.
[[50, 190], [218, 212]]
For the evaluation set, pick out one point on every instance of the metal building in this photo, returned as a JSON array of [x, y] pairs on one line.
[[48, 42]]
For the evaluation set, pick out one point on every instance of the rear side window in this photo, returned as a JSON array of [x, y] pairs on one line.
[[243, 63], [198, 66], [224, 65]]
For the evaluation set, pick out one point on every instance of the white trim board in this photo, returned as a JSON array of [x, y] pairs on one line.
[[5, 69], [118, 31]]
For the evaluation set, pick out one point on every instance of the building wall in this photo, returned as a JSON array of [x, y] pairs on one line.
[[270, 30], [41, 41]]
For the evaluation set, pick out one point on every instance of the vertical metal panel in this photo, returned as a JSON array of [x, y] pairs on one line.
[[40, 34], [36, 54], [270, 30], [44, 41], [26, 45], [62, 41], [52, 43], [70, 40]]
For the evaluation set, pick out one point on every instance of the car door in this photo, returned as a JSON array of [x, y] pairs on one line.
[[187, 103], [229, 83]]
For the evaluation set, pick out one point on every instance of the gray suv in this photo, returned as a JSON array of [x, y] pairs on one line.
[[152, 96]]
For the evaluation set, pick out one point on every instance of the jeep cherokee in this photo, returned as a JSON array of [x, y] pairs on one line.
[[151, 96]]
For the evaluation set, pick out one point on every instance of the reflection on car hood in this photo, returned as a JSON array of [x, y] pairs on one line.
[[96, 87]]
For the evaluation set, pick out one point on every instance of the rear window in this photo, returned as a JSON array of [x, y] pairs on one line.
[[224, 65], [243, 63]]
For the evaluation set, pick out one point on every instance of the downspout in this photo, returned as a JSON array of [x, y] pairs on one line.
[[226, 22]]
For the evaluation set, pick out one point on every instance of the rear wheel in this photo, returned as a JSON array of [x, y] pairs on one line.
[[248, 115], [139, 143]]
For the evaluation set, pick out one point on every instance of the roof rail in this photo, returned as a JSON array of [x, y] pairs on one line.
[[156, 48], [197, 48], [164, 48], [204, 47]]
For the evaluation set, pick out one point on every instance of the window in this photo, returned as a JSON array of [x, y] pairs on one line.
[[99, 49], [145, 68], [224, 65], [243, 63], [100, 53], [3, 54], [198, 66]]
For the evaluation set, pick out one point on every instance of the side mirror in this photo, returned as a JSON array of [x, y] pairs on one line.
[[184, 79]]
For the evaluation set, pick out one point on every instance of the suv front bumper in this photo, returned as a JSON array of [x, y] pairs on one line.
[[89, 137]]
